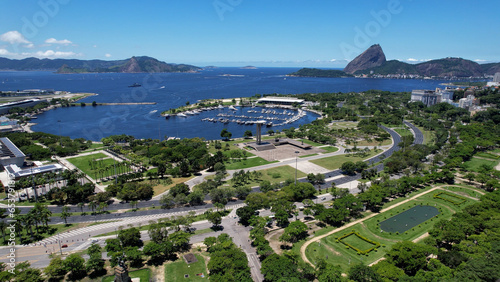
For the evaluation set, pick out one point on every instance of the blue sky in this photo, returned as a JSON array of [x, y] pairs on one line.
[[241, 32]]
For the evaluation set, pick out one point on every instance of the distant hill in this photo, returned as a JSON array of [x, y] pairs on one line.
[[373, 62], [391, 67], [309, 72], [370, 58], [132, 65]]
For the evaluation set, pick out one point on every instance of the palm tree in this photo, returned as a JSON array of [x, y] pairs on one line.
[[92, 205], [3, 227]]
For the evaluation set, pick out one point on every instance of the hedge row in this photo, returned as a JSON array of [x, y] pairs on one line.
[[362, 252], [437, 195]]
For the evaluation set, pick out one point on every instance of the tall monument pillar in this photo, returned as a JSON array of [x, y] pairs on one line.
[[259, 129]]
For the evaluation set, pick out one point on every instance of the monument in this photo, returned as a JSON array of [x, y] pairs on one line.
[[121, 272]]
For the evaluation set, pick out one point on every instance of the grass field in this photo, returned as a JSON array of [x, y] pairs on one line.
[[143, 274], [343, 124], [336, 162], [403, 132], [241, 164], [375, 143], [309, 142], [176, 270], [428, 135], [488, 155], [475, 164], [83, 164], [330, 149], [305, 156], [159, 186], [338, 253]]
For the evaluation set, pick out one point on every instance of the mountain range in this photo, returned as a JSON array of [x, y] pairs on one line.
[[141, 64], [372, 62]]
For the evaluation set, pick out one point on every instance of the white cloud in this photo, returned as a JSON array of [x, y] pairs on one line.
[[4, 52], [107, 55], [479, 60], [54, 54], [95, 46], [14, 37], [55, 41], [31, 45], [412, 60]]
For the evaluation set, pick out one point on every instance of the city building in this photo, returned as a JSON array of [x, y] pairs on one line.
[[10, 154], [432, 97], [5, 108], [496, 80], [467, 102], [16, 173], [279, 100], [428, 97]]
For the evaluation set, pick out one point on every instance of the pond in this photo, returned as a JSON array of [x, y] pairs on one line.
[[409, 219]]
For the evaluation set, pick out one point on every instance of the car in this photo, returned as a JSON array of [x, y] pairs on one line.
[[324, 198], [64, 246], [95, 240]]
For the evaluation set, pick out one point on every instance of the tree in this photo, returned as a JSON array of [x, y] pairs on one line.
[[242, 192], [409, 256], [167, 201], [226, 134], [65, 214], [362, 273], [247, 134], [294, 232], [388, 270], [155, 253], [55, 270], [214, 217], [276, 267], [95, 263], [130, 237], [348, 168], [245, 213], [470, 176], [75, 265]]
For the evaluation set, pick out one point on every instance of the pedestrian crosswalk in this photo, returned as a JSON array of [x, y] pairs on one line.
[[115, 225]]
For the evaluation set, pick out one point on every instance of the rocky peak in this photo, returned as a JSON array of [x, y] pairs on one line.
[[370, 58]]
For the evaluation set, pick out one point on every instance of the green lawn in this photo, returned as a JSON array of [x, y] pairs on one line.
[[403, 132], [338, 253], [343, 124], [241, 164], [309, 142], [336, 162], [83, 163], [143, 274], [310, 155], [428, 135], [176, 270], [488, 155], [375, 143], [357, 242], [475, 164], [330, 149]]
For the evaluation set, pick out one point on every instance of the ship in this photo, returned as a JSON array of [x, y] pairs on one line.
[[135, 85]]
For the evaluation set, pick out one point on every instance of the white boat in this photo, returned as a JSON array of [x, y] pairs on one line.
[[153, 111], [232, 108], [181, 115]]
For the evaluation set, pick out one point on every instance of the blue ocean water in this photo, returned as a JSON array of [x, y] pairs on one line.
[[171, 90]]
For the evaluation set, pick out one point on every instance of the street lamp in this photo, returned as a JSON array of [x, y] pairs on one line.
[[296, 157]]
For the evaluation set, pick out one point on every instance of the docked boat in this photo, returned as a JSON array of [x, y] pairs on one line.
[[181, 115]]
